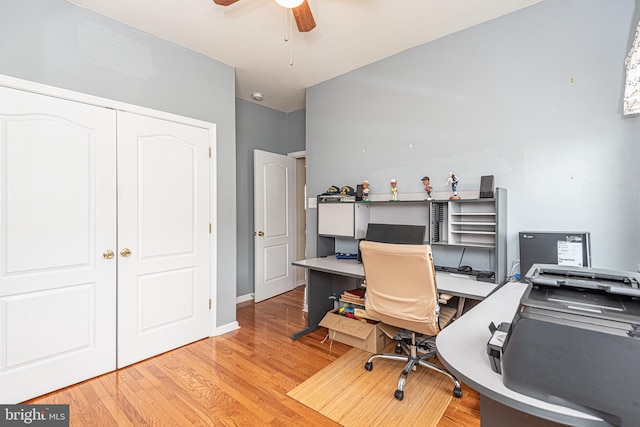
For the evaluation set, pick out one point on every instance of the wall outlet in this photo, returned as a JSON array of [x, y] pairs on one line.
[[313, 203]]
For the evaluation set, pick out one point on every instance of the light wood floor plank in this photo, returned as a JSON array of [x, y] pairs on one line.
[[107, 393], [237, 379]]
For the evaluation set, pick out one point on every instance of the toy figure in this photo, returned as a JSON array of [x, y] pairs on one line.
[[365, 191], [394, 191], [453, 180], [427, 187]]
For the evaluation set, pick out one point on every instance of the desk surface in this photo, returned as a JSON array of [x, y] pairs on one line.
[[344, 267], [462, 349], [454, 284]]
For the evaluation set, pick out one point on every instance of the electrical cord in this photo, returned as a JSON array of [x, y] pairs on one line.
[[461, 256], [513, 267]]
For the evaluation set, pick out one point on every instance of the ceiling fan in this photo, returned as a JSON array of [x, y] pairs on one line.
[[301, 12]]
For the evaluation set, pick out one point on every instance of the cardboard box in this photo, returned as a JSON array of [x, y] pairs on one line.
[[365, 336], [390, 331]]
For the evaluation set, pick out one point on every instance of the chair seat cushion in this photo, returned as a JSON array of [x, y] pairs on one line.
[[446, 315]]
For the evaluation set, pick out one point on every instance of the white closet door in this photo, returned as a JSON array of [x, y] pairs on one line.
[[163, 220], [57, 217]]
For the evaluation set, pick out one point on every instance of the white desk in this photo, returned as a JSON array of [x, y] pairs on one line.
[[329, 277], [345, 267], [461, 348]]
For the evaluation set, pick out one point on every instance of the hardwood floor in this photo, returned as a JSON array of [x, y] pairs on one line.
[[237, 379]]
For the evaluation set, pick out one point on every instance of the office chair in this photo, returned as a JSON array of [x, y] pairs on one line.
[[402, 292]]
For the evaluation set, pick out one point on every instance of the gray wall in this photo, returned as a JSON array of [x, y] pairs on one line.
[[56, 43], [498, 99], [264, 129]]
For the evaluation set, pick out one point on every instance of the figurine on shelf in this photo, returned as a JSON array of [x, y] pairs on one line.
[[365, 191], [427, 186], [453, 180], [394, 191]]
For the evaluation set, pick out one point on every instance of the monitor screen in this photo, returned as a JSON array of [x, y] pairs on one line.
[[396, 233], [562, 248]]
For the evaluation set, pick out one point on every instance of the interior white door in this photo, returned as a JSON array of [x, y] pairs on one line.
[[57, 218], [163, 236], [274, 219]]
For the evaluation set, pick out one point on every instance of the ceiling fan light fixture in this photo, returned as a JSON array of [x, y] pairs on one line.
[[289, 4]]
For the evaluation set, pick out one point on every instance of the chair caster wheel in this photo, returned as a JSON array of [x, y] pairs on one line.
[[399, 394], [398, 349], [368, 366], [457, 392]]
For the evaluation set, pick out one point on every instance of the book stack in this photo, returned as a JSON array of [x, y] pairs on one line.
[[352, 305], [353, 296]]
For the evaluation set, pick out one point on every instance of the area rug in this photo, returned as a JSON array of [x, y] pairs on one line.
[[352, 396]]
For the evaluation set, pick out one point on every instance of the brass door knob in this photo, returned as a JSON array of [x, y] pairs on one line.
[[125, 252], [260, 233], [108, 254]]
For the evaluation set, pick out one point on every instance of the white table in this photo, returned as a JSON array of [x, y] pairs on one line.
[[328, 277], [461, 348]]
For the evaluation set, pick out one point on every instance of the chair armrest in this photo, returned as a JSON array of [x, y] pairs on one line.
[[443, 298]]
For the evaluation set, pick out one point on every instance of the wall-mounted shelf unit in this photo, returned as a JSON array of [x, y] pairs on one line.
[[473, 224], [467, 223]]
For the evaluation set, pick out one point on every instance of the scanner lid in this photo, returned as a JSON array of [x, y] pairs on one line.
[[615, 282]]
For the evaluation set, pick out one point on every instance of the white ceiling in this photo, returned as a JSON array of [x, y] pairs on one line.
[[249, 35]]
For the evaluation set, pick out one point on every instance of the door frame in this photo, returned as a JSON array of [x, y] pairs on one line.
[[299, 155], [29, 86]]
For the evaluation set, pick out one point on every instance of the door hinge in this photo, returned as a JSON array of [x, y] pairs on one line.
[[209, 152], [209, 303], [210, 229]]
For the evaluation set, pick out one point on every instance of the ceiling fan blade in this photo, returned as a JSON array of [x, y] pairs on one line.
[[224, 2], [304, 17]]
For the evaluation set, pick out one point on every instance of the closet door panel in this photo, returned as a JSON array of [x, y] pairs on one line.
[[57, 217], [49, 157], [166, 184], [163, 220]]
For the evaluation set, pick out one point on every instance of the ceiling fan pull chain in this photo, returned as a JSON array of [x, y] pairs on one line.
[[288, 32], [291, 32], [287, 19]]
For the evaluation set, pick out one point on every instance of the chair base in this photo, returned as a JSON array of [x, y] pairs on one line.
[[413, 360]]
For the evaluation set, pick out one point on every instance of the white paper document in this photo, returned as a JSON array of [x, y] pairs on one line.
[[570, 253]]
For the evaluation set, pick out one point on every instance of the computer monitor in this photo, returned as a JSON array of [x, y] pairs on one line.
[[555, 247], [396, 233]]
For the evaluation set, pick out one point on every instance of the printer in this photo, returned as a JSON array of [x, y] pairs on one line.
[[575, 341]]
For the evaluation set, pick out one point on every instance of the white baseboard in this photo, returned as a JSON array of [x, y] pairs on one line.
[[243, 298], [227, 328]]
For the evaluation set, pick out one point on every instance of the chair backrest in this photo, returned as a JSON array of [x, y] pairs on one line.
[[401, 285]]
